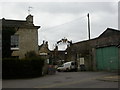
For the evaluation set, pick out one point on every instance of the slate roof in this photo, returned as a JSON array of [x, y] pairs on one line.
[[17, 23], [109, 32]]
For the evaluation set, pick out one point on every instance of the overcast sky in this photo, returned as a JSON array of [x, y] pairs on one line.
[[64, 19]]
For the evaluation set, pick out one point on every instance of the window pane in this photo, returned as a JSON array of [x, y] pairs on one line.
[[14, 41]]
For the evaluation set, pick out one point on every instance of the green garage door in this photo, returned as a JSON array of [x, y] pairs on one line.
[[107, 58]]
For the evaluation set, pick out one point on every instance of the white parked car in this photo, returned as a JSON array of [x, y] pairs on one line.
[[68, 66]]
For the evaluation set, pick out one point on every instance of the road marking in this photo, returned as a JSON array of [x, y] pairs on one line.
[[68, 83]]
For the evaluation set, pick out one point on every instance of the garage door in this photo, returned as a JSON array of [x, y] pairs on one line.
[[107, 58]]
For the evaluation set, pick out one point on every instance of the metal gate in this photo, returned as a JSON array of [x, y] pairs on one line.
[[107, 58]]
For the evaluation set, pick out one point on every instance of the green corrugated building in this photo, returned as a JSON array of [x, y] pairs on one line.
[[108, 58]]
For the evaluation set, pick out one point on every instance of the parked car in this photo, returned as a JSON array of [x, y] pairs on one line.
[[68, 66]]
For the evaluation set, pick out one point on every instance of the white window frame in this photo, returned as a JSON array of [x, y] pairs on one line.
[[14, 42]]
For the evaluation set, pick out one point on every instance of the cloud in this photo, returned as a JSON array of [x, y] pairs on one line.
[[74, 7], [14, 10], [64, 19], [50, 20]]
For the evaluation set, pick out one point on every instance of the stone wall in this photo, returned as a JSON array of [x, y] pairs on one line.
[[87, 48], [28, 41]]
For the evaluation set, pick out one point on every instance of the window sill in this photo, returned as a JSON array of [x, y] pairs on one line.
[[14, 48]]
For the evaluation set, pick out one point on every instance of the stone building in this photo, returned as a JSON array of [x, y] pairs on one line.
[[86, 50], [101, 53], [52, 56], [58, 56], [19, 37], [44, 51]]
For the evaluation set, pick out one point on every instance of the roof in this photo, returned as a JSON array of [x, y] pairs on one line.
[[43, 49], [17, 23], [84, 41], [109, 31]]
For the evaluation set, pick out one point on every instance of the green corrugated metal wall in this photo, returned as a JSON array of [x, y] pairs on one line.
[[107, 58]]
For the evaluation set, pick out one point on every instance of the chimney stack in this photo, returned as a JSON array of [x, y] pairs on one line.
[[29, 19]]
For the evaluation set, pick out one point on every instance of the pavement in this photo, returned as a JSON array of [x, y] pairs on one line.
[[112, 78]]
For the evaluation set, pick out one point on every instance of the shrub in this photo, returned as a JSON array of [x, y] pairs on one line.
[[25, 68]]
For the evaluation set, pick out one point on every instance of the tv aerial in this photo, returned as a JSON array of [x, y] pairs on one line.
[[29, 10]]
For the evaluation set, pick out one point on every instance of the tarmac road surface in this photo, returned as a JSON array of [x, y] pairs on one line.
[[64, 80]]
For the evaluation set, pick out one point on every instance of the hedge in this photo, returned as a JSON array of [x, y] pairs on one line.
[[25, 68]]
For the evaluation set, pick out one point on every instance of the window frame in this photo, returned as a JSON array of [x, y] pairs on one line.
[[14, 42]]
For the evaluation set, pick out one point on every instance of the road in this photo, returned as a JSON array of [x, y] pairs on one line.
[[64, 80]]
